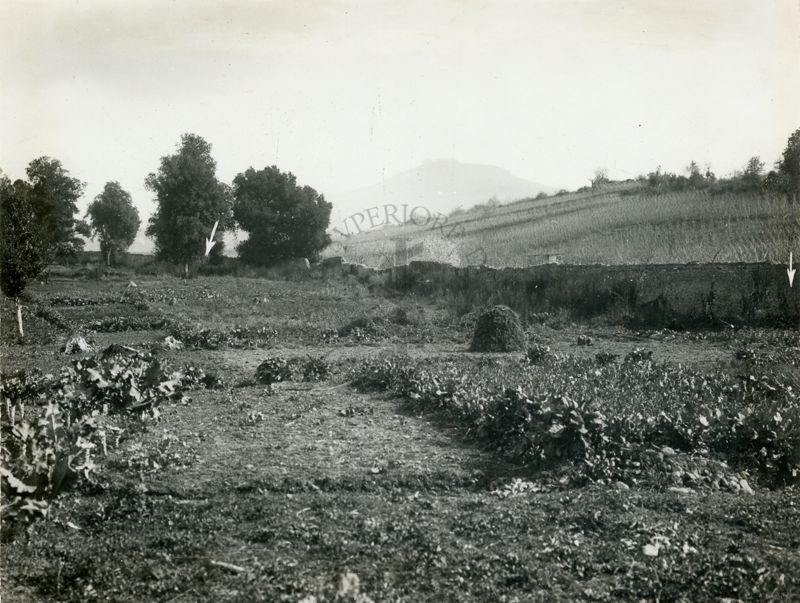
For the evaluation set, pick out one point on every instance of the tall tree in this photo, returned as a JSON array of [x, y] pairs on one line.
[[283, 220], [752, 174], [788, 166], [54, 195], [114, 219], [189, 200], [23, 241], [696, 178]]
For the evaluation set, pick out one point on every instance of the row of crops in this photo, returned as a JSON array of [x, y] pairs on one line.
[[633, 421]]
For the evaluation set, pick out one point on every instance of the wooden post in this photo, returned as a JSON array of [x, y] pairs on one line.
[[19, 318]]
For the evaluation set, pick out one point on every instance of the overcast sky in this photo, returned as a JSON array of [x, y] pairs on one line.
[[345, 93]]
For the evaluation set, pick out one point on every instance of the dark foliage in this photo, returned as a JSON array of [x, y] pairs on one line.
[[314, 368], [54, 195], [120, 324], [605, 358], [23, 238], [283, 219], [786, 178], [114, 219], [747, 180], [55, 430], [190, 200], [274, 370], [364, 329], [233, 337], [622, 421], [639, 355], [538, 354]]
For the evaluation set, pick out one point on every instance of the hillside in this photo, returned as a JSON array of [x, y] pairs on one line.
[[618, 224], [440, 185]]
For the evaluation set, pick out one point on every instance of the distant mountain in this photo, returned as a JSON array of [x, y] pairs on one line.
[[440, 185]]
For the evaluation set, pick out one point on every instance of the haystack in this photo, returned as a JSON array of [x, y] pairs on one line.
[[498, 329]]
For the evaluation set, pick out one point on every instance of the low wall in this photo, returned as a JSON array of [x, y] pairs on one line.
[[674, 296]]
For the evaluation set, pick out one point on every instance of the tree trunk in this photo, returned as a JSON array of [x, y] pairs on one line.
[[19, 319], [108, 258]]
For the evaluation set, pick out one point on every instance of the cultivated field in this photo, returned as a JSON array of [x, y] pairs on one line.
[[389, 464], [618, 225]]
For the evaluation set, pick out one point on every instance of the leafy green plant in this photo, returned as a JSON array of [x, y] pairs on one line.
[[607, 422], [212, 339], [54, 429], [314, 368], [605, 358], [273, 370], [121, 324], [639, 355], [329, 335], [399, 316], [68, 300], [23, 241], [538, 354], [364, 330]]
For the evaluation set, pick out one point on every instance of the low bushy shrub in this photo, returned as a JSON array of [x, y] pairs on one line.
[[237, 337], [605, 358], [119, 324], [273, 370], [314, 368], [364, 329], [54, 430], [639, 355], [538, 354], [609, 422], [399, 316]]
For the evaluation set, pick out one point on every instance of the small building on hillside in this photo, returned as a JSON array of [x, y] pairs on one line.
[[544, 258]]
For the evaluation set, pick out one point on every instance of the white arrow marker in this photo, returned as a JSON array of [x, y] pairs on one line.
[[790, 271], [210, 240]]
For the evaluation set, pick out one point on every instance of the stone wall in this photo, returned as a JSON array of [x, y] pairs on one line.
[[671, 295]]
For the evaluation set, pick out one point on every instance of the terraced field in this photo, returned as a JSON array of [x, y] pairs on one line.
[[621, 224]]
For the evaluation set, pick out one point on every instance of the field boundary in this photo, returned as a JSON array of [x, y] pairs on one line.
[[657, 296]]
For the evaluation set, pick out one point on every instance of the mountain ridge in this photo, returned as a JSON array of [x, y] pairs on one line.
[[439, 185]]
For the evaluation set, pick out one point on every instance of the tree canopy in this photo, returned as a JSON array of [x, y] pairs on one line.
[[283, 220], [23, 240], [752, 173], [54, 196], [189, 200], [788, 165], [114, 219]]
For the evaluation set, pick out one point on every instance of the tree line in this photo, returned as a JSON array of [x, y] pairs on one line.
[[282, 219], [38, 223], [782, 179]]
